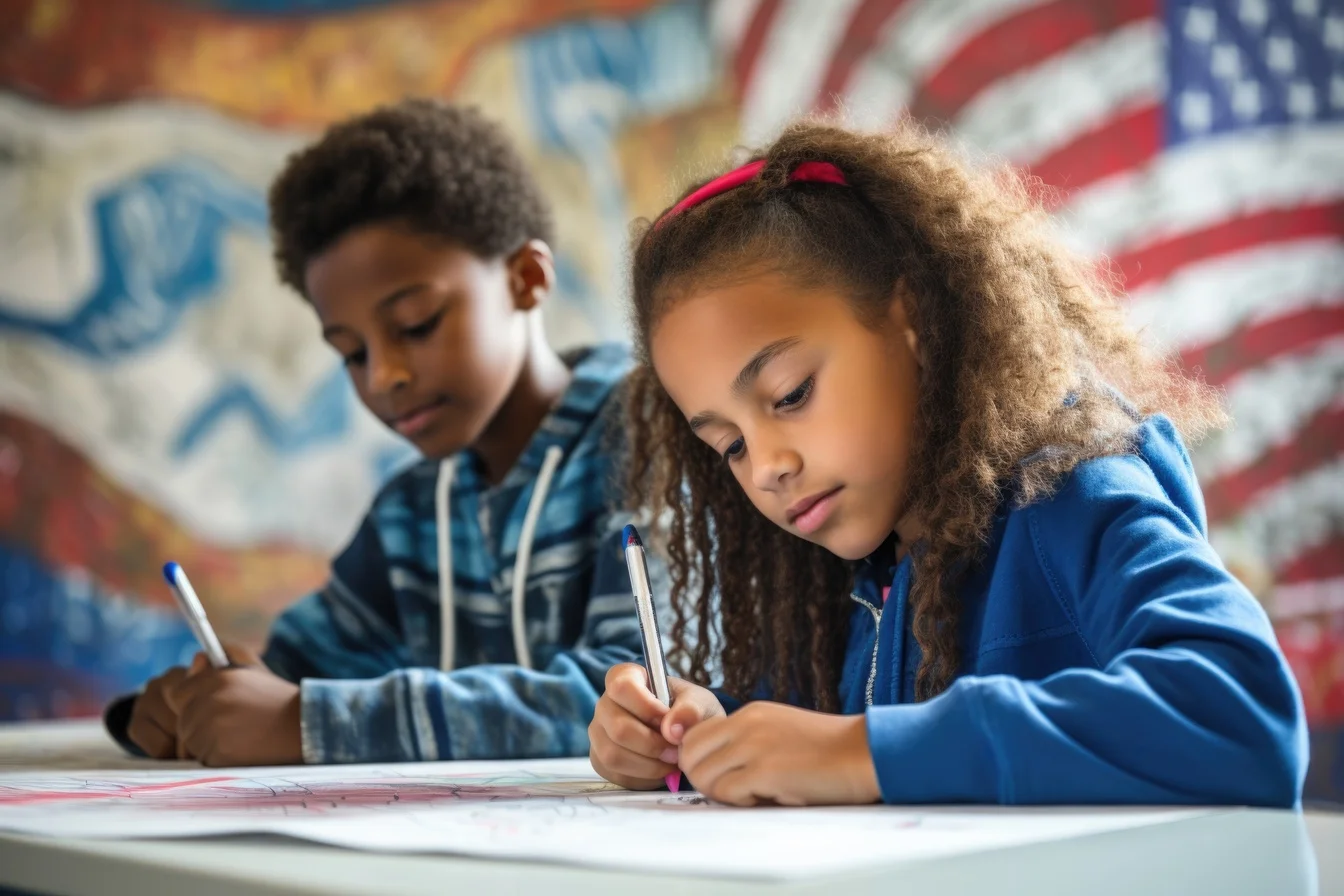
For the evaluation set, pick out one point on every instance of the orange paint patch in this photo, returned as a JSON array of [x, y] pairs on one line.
[[60, 508], [289, 71]]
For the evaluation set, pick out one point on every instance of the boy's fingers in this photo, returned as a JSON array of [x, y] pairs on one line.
[[198, 664], [240, 655], [186, 690], [149, 732]]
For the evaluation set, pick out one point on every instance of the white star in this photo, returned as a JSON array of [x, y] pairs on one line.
[[1201, 24], [1280, 54], [1225, 61], [1306, 7], [1301, 100], [1337, 91], [1334, 33], [1246, 100], [1253, 13], [1196, 110]]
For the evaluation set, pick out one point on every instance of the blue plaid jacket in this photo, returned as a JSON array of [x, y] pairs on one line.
[[377, 682]]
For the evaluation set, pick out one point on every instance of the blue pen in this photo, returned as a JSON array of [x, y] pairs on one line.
[[637, 565], [195, 614]]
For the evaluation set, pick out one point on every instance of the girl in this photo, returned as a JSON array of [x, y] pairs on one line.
[[924, 487]]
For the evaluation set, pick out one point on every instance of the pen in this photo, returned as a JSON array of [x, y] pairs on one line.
[[195, 614], [654, 660]]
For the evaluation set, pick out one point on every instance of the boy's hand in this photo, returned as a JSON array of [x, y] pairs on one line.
[[242, 715], [627, 746], [772, 753], [153, 725]]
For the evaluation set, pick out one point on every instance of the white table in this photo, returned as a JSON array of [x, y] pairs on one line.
[[1242, 851]]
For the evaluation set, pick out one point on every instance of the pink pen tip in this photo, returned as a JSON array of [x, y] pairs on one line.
[[673, 781]]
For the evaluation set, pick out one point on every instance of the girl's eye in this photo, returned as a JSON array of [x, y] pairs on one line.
[[354, 359], [735, 450], [797, 396], [423, 329]]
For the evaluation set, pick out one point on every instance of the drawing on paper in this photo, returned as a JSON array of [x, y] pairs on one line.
[[298, 793]]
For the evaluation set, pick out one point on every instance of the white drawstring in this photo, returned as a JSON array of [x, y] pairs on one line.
[[524, 555], [444, 527]]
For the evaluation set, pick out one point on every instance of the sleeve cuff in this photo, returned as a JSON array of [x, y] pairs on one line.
[[355, 721], [117, 721], [934, 752]]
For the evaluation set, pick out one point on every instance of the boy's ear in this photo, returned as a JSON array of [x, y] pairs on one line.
[[531, 274]]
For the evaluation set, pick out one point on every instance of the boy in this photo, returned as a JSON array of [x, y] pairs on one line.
[[421, 241]]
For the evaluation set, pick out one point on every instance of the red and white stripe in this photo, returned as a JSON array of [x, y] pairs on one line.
[[1232, 248]]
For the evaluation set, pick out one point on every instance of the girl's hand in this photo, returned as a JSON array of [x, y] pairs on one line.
[[772, 753], [627, 747], [242, 715]]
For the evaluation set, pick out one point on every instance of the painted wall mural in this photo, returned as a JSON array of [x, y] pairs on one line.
[[162, 396]]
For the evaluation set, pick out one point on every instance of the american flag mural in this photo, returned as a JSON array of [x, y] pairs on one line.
[[159, 393]]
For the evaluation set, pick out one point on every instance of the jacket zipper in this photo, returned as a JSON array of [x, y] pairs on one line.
[[877, 640]]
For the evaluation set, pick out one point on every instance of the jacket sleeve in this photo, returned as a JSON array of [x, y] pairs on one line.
[[495, 711], [349, 628], [1190, 700]]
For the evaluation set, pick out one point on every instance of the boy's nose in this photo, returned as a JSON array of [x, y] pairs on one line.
[[387, 374]]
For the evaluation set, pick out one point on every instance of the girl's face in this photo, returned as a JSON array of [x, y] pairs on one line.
[[811, 410]]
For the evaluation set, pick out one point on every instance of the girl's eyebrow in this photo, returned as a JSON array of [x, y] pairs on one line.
[[700, 421], [746, 377]]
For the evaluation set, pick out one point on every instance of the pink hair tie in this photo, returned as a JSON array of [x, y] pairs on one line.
[[813, 172]]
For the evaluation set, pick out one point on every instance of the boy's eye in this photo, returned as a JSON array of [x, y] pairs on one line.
[[424, 328], [735, 450], [797, 396], [354, 359]]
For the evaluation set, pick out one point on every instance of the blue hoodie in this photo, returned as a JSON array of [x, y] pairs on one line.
[[533, 577], [1108, 658]]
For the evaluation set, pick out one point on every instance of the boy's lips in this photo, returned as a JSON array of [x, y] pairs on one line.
[[808, 514], [417, 419]]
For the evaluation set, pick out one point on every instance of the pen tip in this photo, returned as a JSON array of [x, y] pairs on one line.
[[630, 536], [170, 571]]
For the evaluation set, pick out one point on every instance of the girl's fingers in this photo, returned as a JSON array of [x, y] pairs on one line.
[[705, 738], [691, 705], [735, 787], [624, 729], [682, 717], [616, 759], [708, 771], [627, 686]]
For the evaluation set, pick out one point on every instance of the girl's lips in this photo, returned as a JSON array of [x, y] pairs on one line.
[[809, 514]]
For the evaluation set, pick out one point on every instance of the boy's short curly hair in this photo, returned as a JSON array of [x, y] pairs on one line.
[[443, 169]]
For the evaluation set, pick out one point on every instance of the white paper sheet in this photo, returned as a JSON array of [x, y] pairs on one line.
[[554, 811]]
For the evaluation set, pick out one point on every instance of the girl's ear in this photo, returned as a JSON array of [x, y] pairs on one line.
[[899, 319], [531, 275]]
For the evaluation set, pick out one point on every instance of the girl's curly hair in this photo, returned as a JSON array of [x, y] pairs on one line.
[[1024, 348]]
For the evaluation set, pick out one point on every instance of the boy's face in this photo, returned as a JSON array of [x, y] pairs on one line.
[[433, 336], [811, 410]]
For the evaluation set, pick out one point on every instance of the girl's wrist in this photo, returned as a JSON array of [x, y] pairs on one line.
[[862, 769]]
